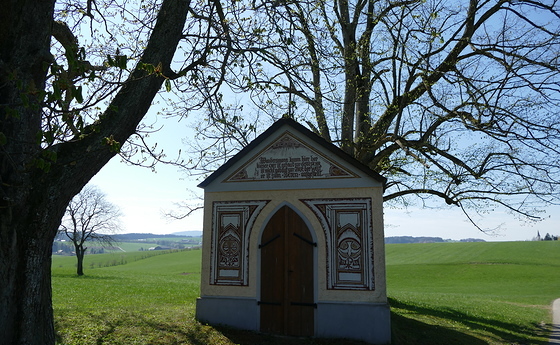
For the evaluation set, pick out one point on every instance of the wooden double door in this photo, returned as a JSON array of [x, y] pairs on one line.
[[287, 286]]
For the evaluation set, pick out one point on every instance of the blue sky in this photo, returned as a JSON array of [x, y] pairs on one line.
[[143, 196]]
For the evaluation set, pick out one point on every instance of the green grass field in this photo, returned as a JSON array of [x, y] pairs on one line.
[[442, 293], [480, 293]]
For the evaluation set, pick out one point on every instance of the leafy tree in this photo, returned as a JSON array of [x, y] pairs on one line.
[[76, 79], [89, 218], [450, 100]]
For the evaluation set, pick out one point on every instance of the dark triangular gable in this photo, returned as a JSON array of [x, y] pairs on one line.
[[305, 132]]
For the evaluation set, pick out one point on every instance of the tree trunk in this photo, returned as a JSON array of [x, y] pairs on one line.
[[33, 199], [26, 237], [28, 214], [80, 252], [26, 298]]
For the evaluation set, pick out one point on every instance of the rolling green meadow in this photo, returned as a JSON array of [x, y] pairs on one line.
[[440, 293]]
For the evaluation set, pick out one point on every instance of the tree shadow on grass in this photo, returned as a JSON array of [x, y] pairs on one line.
[[132, 326], [405, 331], [243, 337], [423, 333], [167, 326], [166, 332], [84, 277]]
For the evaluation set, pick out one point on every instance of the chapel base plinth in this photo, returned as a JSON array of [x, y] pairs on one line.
[[228, 311], [368, 322]]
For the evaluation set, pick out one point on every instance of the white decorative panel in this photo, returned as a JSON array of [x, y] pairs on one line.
[[348, 231], [231, 227]]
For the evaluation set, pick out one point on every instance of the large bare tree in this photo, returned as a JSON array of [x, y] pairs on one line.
[[446, 98], [90, 218], [451, 100], [76, 79]]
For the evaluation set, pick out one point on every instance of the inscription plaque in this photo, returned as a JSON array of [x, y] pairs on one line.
[[289, 159]]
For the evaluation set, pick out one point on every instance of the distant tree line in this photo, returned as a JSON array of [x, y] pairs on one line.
[[142, 237], [423, 239], [547, 237], [170, 244], [67, 248]]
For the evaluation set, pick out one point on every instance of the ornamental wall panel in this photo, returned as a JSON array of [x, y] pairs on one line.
[[347, 225], [232, 222]]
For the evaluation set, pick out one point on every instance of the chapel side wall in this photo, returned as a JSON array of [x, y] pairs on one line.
[[206, 246], [379, 244], [275, 199]]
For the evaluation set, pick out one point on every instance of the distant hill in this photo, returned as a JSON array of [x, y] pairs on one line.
[[140, 236], [472, 240], [188, 233], [411, 239]]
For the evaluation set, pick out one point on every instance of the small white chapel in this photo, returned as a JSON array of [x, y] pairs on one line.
[[293, 241]]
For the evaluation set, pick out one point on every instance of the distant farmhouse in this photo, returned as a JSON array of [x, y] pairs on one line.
[[160, 248]]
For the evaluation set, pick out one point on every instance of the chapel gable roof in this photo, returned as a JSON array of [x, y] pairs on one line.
[[289, 128]]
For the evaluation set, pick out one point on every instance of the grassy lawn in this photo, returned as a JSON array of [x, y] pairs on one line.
[[476, 293], [445, 293]]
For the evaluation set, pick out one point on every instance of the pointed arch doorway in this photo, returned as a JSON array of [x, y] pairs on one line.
[[287, 303]]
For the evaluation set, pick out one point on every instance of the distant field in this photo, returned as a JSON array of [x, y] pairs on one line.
[[144, 244], [443, 293], [496, 292]]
